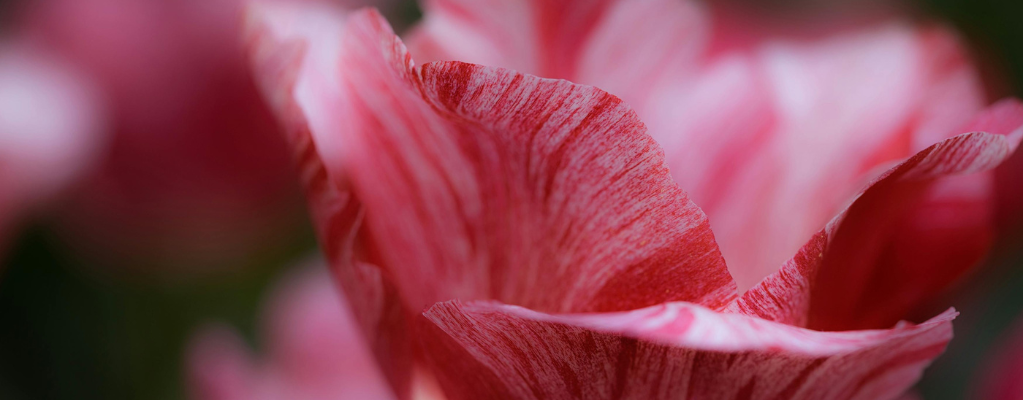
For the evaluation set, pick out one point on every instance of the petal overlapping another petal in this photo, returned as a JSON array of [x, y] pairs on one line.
[[452, 180], [770, 137], [906, 237], [669, 351], [476, 180], [439, 187]]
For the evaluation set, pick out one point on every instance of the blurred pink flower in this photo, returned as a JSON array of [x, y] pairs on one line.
[[197, 176], [520, 237], [313, 350], [50, 130]]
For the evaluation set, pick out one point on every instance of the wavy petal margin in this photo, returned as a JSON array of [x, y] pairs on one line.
[[471, 182], [453, 180], [770, 135], [484, 183], [670, 351], [908, 236]]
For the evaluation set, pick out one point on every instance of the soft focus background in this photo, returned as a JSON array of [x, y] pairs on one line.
[[77, 324]]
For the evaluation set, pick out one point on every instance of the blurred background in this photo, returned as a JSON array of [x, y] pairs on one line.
[[100, 294]]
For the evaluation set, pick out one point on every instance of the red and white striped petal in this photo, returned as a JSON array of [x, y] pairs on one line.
[[845, 106], [474, 180], [290, 68], [912, 232], [772, 137], [917, 228], [670, 351], [453, 180], [627, 48]]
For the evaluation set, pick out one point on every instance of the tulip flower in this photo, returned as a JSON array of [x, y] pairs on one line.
[[50, 131], [196, 177], [511, 236], [314, 350]]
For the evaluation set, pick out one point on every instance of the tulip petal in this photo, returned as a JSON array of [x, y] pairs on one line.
[[784, 296], [314, 350], [220, 366], [912, 232], [669, 351], [845, 105], [278, 36], [771, 138], [458, 181], [484, 183], [916, 229], [650, 41]]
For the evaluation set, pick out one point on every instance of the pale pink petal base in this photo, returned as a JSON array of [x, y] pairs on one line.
[[315, 351]]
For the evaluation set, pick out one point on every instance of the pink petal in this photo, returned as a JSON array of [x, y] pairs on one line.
[[651, 42], [916, 229], [784, 296], [909, 235], [846, 105], [219, 366], [461, 181], [771, 138], [669, 351], [1009, 186], [280, 60], [50, 128], [315, 350], [474, 180]]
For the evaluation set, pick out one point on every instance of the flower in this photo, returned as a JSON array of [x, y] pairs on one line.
[[196, 177], [49, 130], [512, 236], [314, 349]]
